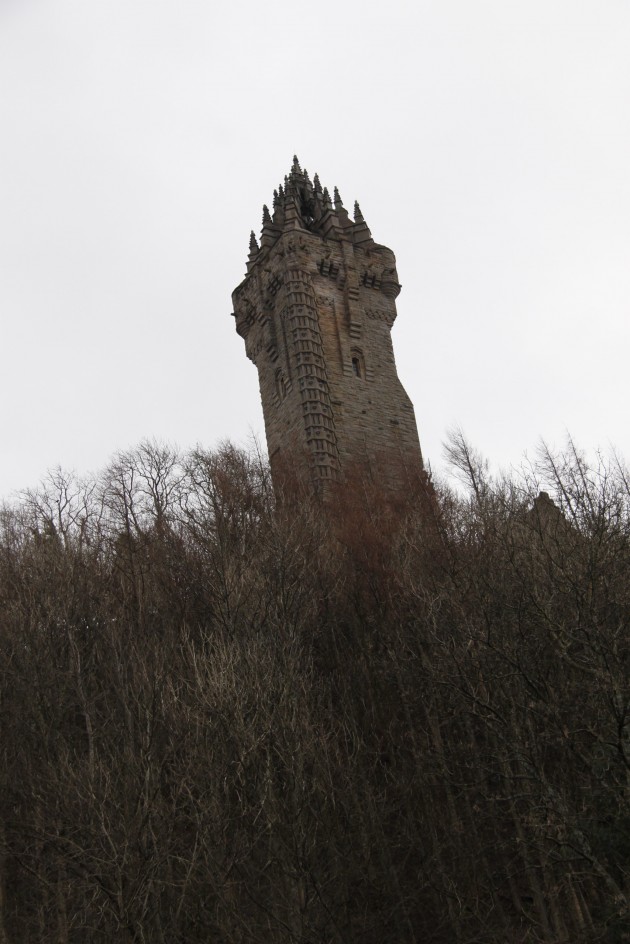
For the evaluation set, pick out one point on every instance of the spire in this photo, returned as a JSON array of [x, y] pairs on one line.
[[269, 232], [360, 231], [253, 250], [328, 223], [342, 213]]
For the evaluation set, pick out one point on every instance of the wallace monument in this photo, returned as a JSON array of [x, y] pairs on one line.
[[316, 309]]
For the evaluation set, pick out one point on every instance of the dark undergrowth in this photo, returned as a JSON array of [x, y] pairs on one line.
[[225, 719]]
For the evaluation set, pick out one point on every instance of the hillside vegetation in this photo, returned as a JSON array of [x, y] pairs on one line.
[[225, 719]]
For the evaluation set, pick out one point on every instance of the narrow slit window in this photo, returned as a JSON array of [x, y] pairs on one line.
[[358, 364], [281, 385]]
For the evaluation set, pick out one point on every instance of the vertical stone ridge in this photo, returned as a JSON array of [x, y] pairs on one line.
[[311, 375]]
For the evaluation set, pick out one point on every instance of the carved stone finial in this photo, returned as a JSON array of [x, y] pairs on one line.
[[253, 250], [316, 184], [296, 169], [361, 235], [326, 199], [338, 202], [266, 214]]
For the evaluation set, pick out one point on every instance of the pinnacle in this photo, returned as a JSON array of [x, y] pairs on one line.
[[361, 234], [253, 250], [296, 165], [316, 184], [266, 216], [326, 199], [338, 202]]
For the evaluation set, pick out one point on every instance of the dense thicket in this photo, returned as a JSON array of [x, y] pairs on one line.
[[227, 721]]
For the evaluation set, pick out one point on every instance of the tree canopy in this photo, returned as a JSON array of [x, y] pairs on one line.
[[231, 717]]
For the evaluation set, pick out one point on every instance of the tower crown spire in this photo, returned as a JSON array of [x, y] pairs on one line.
[[299, 204]]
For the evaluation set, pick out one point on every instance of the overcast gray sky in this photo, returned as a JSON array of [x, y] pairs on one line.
[[488, 142]]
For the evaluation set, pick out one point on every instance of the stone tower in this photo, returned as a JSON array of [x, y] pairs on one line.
[[316, 309]]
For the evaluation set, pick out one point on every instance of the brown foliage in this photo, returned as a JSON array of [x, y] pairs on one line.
[[368, 719]]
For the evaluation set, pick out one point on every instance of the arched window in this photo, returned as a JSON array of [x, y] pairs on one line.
[[281, 384], [358, 365]]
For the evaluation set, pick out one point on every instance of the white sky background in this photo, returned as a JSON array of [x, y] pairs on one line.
[[488, 142]]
